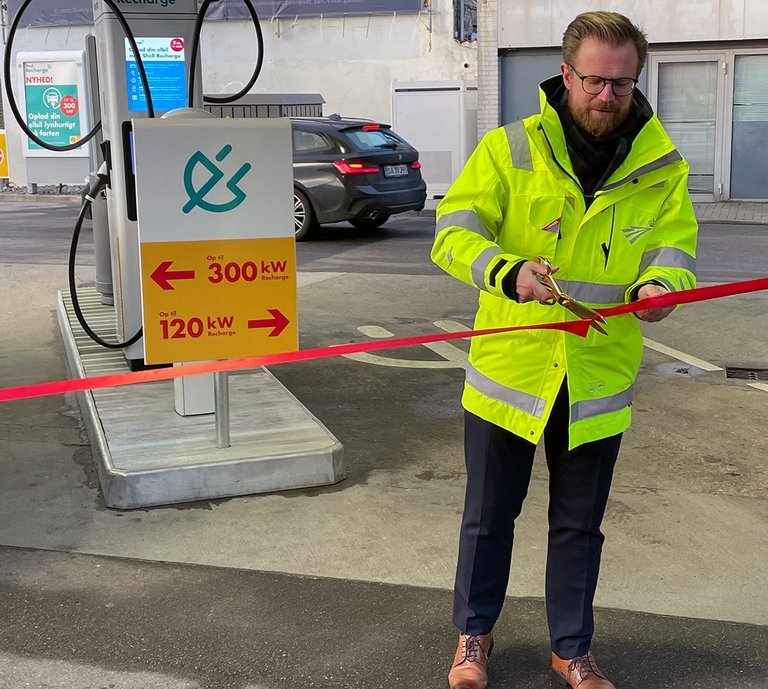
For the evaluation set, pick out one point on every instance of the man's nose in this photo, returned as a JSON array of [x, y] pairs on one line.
[[607, 93]]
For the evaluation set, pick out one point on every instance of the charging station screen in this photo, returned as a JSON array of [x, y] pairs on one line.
[[164, 64]]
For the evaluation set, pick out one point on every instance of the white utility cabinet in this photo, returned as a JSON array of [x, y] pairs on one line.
[[438, 118]]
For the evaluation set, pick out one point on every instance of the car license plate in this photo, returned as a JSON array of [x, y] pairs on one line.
[[395, 170]]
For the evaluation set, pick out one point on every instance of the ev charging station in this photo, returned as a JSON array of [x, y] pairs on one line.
[[163, 33], [200, 215]]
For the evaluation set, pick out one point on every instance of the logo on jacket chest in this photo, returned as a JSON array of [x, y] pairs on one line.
[[554, 226], [634, 232]]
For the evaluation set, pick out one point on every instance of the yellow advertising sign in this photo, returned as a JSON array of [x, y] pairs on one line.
[[3, 155], [218, 298]]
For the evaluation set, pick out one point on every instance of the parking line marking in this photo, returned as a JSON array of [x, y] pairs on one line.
[[759, 386], [367, 358], [305, 278], [452, 326], [451, 353], [452, 357], [681, 356], [375, 332]]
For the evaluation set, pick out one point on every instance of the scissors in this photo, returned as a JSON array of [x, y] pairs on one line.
[[560, 297]]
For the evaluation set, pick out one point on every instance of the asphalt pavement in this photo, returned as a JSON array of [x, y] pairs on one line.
[[349, 585]]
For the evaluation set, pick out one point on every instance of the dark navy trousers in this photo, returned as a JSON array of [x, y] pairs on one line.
[[499, 467]]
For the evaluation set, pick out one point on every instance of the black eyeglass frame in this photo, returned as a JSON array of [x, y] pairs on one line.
[[605, 81]]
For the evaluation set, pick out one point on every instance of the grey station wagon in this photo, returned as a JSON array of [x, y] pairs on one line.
[[351, 169]]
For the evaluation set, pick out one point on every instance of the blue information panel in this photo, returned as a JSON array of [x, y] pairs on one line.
[[164, 63]]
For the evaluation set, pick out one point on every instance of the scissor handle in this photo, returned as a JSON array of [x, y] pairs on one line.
[[550, 283]]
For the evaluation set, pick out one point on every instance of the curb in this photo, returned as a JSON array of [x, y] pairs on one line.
[[732, 221], [41, 198], [427, 212]]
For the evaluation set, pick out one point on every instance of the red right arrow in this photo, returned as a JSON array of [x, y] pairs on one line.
[[277, 322], [162, 275]]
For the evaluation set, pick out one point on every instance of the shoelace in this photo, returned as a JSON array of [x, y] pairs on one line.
[[583, 666], [472, 649]]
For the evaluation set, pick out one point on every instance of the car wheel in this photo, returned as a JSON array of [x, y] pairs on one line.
[[378, 221], [303, 216]]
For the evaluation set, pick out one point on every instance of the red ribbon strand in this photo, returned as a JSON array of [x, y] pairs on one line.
[[579, 328]]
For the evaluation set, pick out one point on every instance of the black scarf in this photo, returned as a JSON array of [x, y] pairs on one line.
[[595, 158]]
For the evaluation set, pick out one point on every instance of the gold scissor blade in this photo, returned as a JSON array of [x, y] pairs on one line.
[[585, 312], [597, 325], [580, 310]]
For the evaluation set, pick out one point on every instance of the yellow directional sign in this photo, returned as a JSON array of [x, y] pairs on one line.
[[220, 299], [3, 155]]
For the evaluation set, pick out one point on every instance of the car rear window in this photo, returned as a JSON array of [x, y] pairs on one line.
[[367, 140], [314, 142]]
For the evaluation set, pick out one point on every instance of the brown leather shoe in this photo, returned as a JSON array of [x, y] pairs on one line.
[[469, 666], [581, 672]]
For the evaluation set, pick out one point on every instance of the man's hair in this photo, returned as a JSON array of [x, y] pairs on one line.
[[608, 27]]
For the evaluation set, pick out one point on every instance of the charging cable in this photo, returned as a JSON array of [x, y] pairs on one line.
[[196, 47]]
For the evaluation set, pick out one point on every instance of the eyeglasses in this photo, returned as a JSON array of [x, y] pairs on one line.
[[594, 85]]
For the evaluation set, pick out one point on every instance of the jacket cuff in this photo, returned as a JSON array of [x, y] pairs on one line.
[[633, 293], [509, 282]]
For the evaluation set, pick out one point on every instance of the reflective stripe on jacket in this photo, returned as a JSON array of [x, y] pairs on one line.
[[518, 198]]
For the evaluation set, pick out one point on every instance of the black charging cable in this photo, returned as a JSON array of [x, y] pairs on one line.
[[101, 181], [102, 176], [196, 48]]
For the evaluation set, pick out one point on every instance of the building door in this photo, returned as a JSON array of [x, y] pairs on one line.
[[687, 92], [749, 133]]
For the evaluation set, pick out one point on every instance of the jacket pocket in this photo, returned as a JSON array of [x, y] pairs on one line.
[[533, 225]]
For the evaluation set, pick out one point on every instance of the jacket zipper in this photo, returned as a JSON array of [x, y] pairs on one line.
[[557, 162], [607, 249]]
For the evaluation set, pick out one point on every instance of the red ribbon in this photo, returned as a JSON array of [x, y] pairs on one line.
[[579, 328], [688, 296]]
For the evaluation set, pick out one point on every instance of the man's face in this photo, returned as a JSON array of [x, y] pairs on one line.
[[602, 113]]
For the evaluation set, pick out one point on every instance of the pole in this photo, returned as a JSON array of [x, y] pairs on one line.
[[221, 407]]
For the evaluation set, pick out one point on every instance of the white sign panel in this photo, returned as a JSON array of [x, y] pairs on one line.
[[204, 178]]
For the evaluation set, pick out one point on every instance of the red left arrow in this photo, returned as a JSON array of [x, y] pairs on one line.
[[277, 322], [162, 275]]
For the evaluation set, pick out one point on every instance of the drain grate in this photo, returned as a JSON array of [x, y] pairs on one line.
[[746, 372]]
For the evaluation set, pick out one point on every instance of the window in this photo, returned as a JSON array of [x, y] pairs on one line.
[[749, 172], [687, 91], [465, 20], [306, 142], [687, 107], [368, 140]]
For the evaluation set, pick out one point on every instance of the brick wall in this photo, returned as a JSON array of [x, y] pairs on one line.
[[487, 66]]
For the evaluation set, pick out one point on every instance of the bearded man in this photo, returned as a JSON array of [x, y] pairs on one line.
[[595, 186]]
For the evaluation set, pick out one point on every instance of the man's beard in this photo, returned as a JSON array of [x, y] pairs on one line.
[[595, 124]]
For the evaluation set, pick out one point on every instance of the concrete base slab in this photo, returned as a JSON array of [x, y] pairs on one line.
[[148, 455]]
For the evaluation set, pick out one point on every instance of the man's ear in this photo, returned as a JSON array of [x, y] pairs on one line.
[[567, 76]]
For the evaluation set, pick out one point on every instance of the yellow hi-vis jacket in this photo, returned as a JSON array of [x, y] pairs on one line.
[[518, 198]]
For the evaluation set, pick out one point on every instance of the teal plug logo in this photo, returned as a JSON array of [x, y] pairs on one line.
[[197, 196]]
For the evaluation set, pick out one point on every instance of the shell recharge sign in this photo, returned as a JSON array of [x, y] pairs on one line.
[[53, 91], [217, 251]]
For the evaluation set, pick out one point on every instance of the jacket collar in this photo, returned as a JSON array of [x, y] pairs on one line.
[[651, 149]]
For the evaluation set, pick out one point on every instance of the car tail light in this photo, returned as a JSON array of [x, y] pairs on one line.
[[355, 168], [416, 165]]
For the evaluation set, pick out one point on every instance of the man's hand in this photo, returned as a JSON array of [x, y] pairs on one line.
[[657, 314], [528, 287]]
